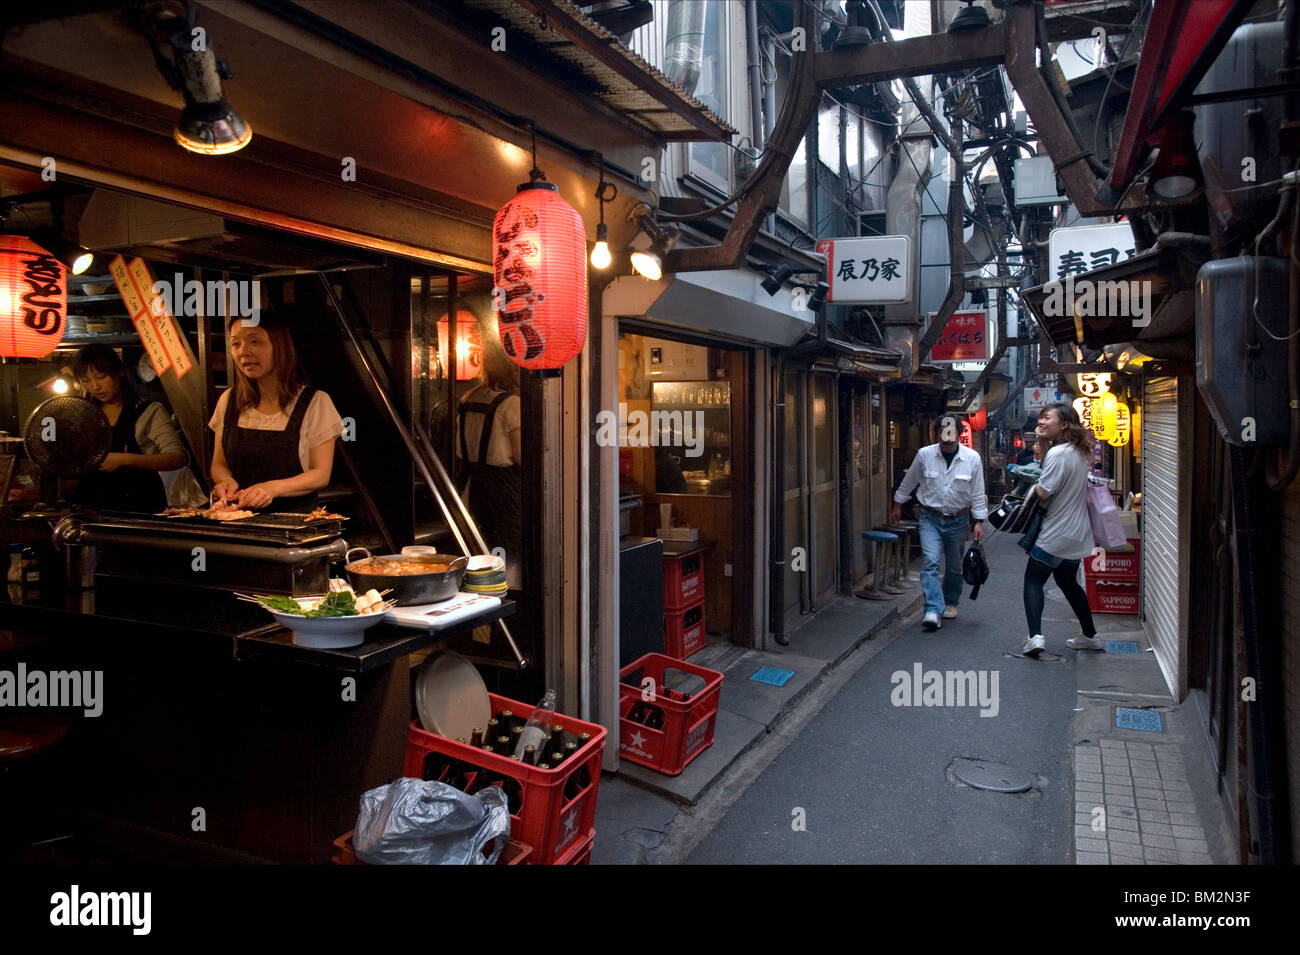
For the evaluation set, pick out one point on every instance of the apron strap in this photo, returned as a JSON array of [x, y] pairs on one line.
[[489, 412]]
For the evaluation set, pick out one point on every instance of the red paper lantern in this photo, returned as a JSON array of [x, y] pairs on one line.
[[979, 420], [539, 266], [1017, 442], [469, 345], [33, 299]]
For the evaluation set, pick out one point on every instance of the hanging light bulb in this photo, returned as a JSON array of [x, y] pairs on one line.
[[600, 257]]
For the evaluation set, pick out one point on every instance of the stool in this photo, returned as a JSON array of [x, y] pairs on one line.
[[914, 528], [22, 738], [882, 550], [903, 561]]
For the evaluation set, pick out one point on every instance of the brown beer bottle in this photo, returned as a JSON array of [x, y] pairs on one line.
[[476, 737]]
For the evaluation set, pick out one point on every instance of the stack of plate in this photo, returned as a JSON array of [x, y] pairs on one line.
[[486, 574]]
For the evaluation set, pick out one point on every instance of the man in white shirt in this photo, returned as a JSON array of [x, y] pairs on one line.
[[949, 482]]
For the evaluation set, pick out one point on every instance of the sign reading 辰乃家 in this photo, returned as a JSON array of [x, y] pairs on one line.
[[869, 269]]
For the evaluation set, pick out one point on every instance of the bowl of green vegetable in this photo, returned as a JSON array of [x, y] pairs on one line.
[[324, 623]]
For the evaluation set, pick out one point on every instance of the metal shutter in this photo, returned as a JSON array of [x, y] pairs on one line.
[[1165, 517]]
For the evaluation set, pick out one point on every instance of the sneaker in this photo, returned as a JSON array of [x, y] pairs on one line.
[[1034, 645], [930, 622], [950, 612], [1080, 642]]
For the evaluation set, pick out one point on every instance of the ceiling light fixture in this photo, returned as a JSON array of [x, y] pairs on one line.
[[209, 124], [605, 192]]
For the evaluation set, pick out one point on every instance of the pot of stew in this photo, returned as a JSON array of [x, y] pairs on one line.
[[424, 580]]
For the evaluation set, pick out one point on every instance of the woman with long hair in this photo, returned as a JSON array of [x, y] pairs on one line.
[[489, 442], [1066, 534], [144, 441], [275, 433]]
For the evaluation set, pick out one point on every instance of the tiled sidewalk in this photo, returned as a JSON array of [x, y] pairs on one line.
[[1133, 804]]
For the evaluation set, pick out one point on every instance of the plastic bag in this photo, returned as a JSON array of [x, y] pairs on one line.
[[1104, 516], [425, 822]]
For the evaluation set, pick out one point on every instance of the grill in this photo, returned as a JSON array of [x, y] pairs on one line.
[[270, 528], [267, 553]]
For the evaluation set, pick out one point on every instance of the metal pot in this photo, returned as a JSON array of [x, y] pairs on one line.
[[409, 590]]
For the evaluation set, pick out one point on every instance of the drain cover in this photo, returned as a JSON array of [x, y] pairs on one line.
[[1146, 720], [995, 777], [773, 676], [1121, 646]]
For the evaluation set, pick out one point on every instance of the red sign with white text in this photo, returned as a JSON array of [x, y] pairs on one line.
[[964, 338]]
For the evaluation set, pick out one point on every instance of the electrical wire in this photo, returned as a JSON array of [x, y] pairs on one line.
[[1101, 104], [1295, 224]]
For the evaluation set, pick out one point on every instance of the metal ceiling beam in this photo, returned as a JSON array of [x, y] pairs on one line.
[[932, 53]]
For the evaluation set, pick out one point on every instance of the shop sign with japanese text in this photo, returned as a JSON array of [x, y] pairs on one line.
[[964, 338], [1074, 250], [869, 269]]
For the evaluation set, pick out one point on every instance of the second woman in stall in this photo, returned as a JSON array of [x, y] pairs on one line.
[[275, 433]]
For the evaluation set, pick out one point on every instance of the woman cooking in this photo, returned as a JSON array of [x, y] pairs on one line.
[[144, 441], [275, 433]]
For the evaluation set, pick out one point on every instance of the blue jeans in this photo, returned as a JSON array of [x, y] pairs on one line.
[[946, 538]]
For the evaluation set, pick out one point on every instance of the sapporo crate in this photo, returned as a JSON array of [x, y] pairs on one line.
[[514, 853], [1119, 564], [684, 631], [683, 581], [554, 817], [688, 725], [1112, 596]]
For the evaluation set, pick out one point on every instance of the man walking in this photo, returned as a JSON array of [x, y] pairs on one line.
[[949, 482]]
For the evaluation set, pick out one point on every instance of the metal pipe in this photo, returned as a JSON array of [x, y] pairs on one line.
[[757, 134], [684, 49], [414, 449], [956, 250], [776, 546]]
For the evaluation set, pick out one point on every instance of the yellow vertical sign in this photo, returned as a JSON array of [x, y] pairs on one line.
[[138, 309], [161, 315]]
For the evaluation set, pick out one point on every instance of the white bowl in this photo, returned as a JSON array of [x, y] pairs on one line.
[[327, 633]]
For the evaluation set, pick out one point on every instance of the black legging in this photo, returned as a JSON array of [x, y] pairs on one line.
[[1066, 574]]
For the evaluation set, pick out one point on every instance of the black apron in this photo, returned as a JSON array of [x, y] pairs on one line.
[[255, 456], [494, 492], [126, 489]]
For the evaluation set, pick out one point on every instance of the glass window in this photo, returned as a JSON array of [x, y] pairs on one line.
[[853, 145], [689, 425], [713, 160], [796, 180], [828, 137]]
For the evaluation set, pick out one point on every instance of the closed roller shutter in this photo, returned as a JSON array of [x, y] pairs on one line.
[[1165, 515]]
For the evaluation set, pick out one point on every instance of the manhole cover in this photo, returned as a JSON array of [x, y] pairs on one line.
[[995, 777], [1146, 720]]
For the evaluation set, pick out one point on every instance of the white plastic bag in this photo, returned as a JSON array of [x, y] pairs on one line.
[[425, 822]]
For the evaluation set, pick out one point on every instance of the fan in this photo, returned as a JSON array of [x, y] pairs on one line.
[[66, 436]]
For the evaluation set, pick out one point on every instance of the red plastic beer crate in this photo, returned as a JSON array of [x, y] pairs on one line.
[[1119, 565], [550, 822], [683, 581], [580, 854], [515, 853], [1112, 596], [684, 631], [688, 725]]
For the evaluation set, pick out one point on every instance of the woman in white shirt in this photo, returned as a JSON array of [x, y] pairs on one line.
[[1066, 534], [275, 433]]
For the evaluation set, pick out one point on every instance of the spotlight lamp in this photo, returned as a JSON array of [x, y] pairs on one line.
[[818, 297], [208, 124], [650, 262], [780, 275]]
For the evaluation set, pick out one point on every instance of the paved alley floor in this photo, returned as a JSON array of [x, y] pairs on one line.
[[870, 778]]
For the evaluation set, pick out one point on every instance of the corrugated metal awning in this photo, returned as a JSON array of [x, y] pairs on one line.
[[612, 73]]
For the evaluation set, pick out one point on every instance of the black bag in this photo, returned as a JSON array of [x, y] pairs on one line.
[[999, 515], [1029, 520], [974, 569]]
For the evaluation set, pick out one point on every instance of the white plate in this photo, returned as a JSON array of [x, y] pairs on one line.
[[327, 633], [451, 697]]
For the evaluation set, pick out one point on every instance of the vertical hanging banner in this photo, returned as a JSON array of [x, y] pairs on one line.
[[169, 333], [137, 307]]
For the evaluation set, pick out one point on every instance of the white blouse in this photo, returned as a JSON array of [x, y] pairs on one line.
[[319, 424]]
